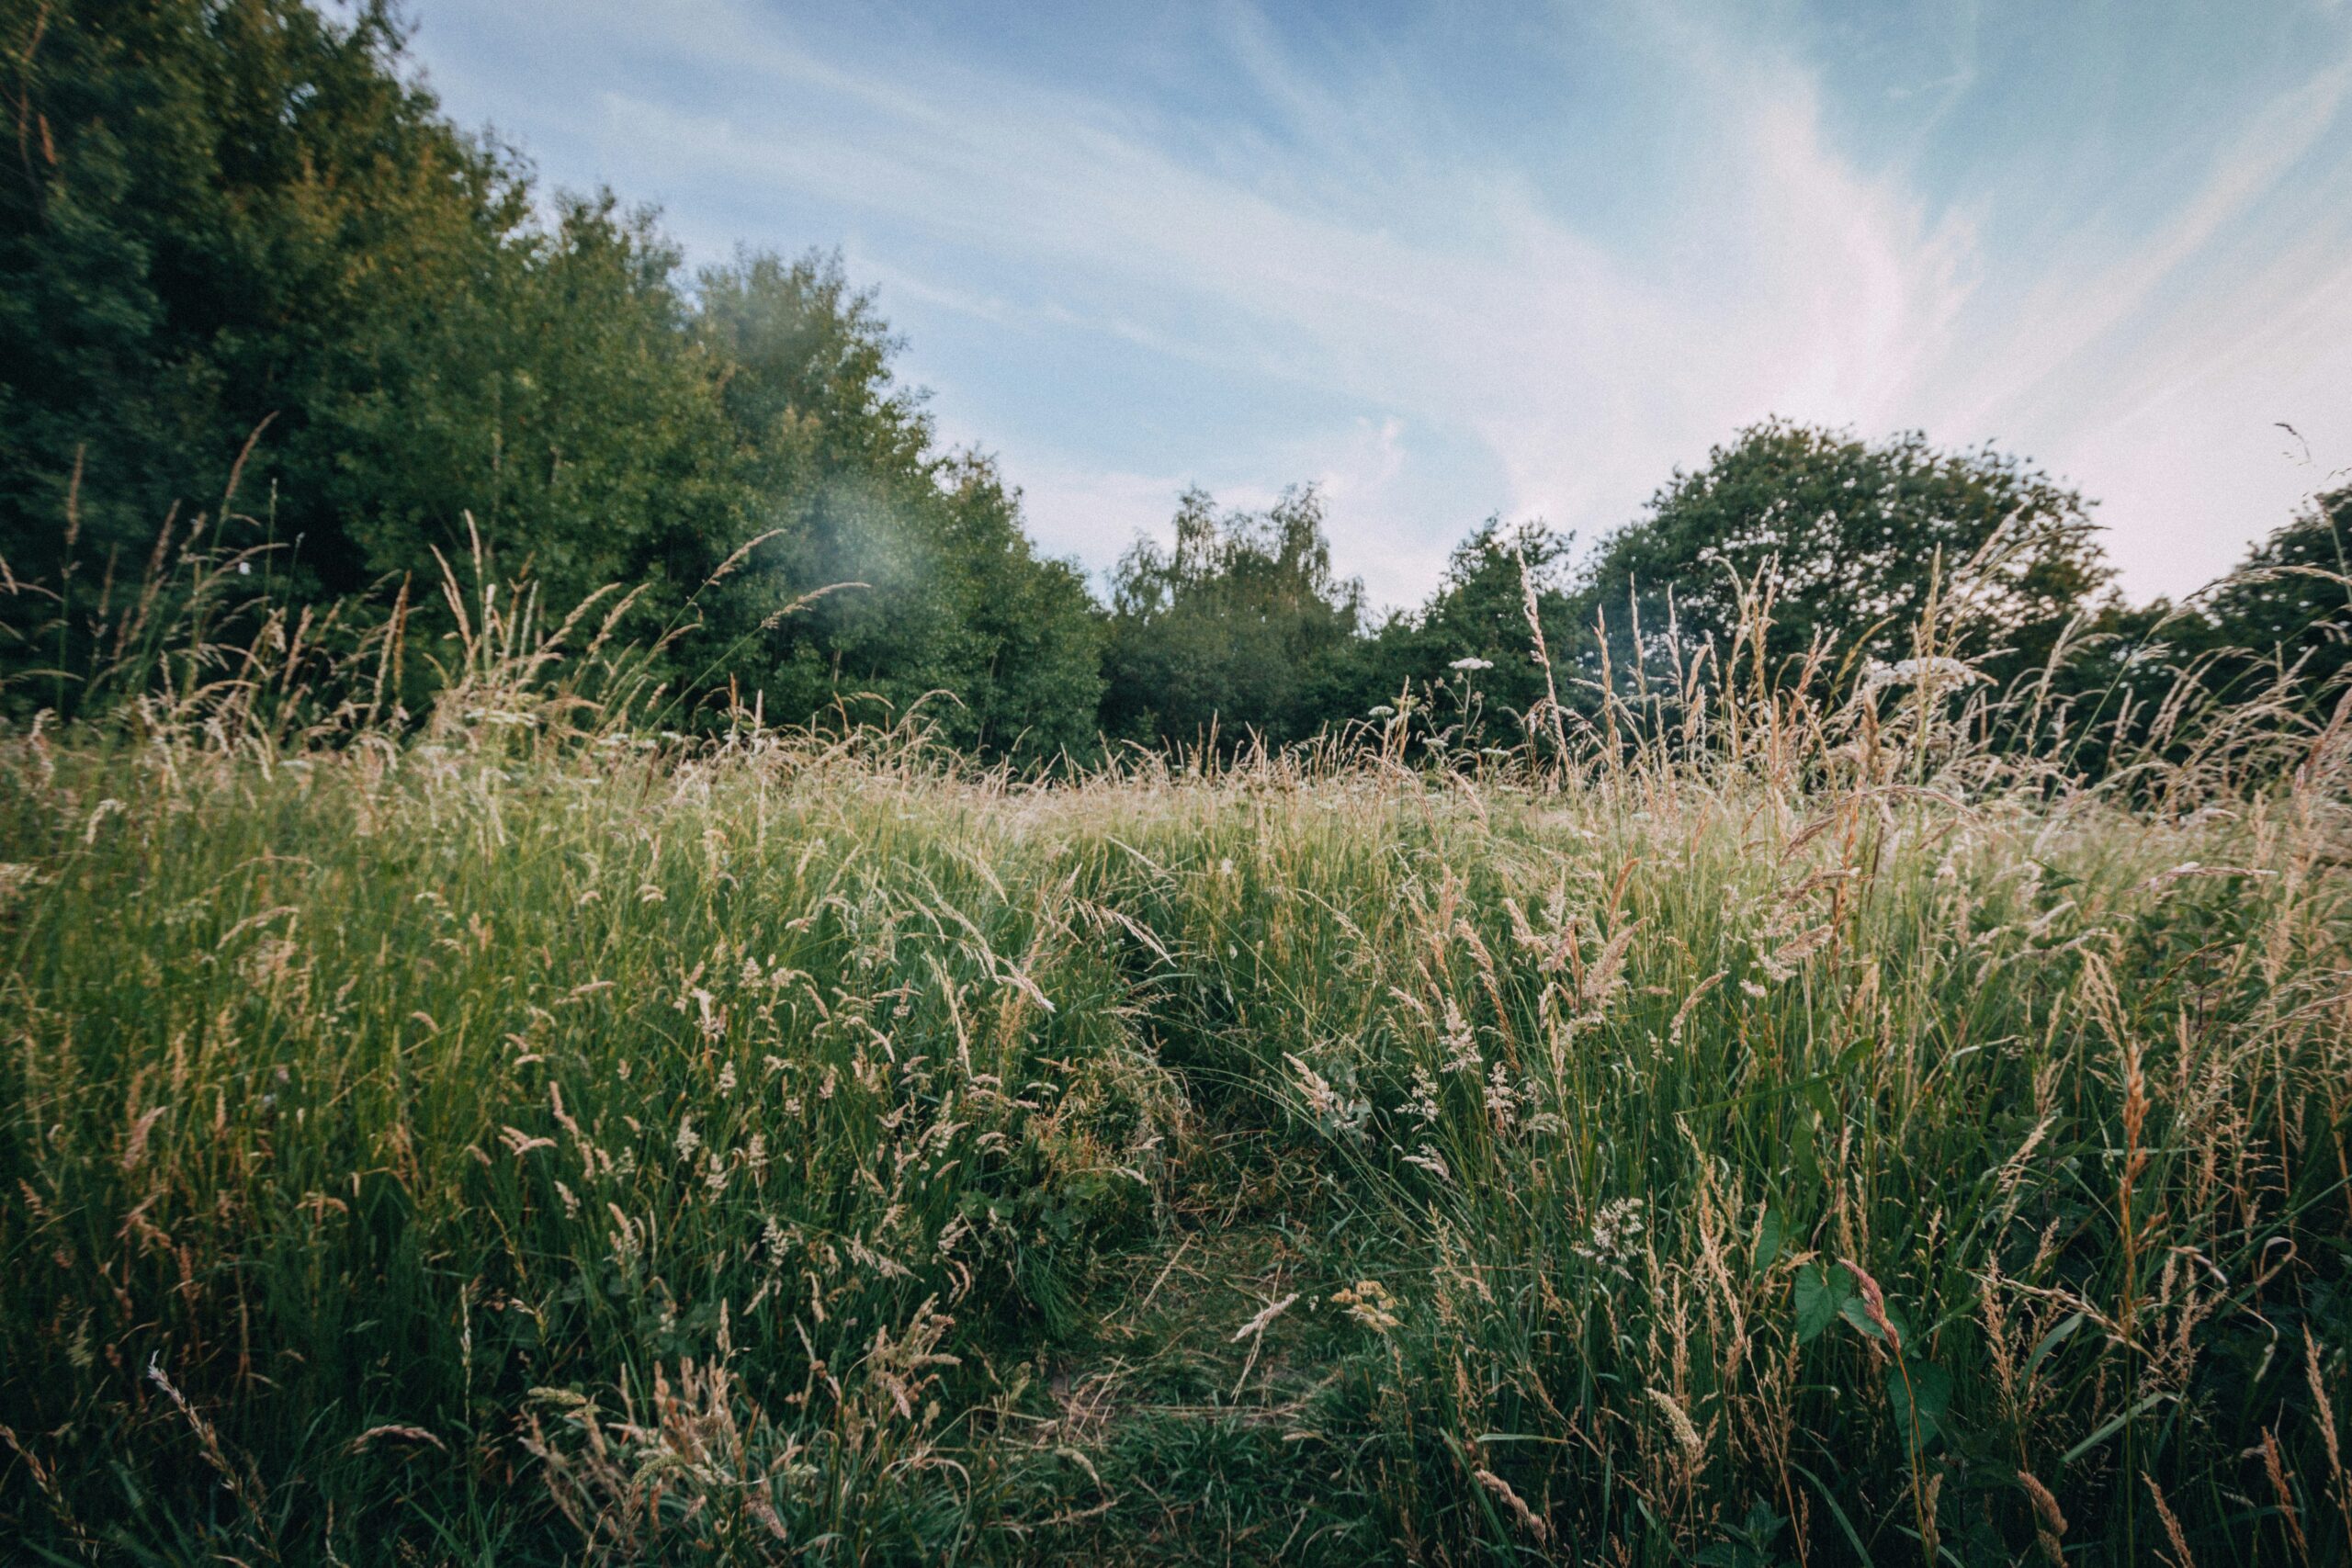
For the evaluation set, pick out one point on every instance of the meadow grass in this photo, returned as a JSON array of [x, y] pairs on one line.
[[484, 1143]]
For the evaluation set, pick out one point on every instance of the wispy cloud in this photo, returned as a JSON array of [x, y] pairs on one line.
[[1349, 280]]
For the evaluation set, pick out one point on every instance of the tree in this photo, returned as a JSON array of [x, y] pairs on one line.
[[1856, 535], [236, 218], [213, 206], [952, 606], [1239, 628], [2289, 605]]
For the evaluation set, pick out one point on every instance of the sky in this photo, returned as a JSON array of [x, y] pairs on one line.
[[1450, 261]]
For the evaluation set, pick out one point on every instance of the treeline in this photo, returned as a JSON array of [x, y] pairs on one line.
[[259, 297]]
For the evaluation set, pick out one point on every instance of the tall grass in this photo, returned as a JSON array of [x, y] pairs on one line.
[[1779, 1126]]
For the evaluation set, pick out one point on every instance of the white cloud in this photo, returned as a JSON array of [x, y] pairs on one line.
[[1368, 256]]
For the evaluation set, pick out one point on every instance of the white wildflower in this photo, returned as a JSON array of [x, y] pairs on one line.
[[1472, 663], [1923, 672]]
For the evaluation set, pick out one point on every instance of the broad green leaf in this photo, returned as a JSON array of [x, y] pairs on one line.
[[1822, 1294], [1858, 1316], [1919, 1394]]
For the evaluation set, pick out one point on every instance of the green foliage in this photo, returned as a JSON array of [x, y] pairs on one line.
[[2290, 601], [240, 240], [1478, 613], [1853, 540], [216, 209], [256, 293], [1239, 627], [838, 463], [432, 1150]]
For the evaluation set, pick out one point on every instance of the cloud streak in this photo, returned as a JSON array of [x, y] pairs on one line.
[[1341, 274]]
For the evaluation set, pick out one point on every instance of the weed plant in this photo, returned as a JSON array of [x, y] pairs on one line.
[[1778, 1126]]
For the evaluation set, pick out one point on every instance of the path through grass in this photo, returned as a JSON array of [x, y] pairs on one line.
[[420, 1154]]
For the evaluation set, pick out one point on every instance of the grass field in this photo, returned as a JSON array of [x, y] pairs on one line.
[[1831, 1148]]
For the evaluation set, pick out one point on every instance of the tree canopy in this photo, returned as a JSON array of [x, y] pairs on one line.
[[1854, 536], [239, 239], [257, 291], [1239, 624]]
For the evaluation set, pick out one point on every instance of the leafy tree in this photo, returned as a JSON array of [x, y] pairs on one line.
[[1857, 537], [559, 400], [1240, 628], [236, 218], [1478, 614], [211, 205], [2291, 603], [951, 604]]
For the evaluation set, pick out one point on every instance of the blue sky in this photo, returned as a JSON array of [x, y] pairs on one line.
[[1450, 260]]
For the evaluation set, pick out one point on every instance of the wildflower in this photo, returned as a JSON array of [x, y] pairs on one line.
[[1922, 672], [1472, 663], [1381, 710], [688, 1140]]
